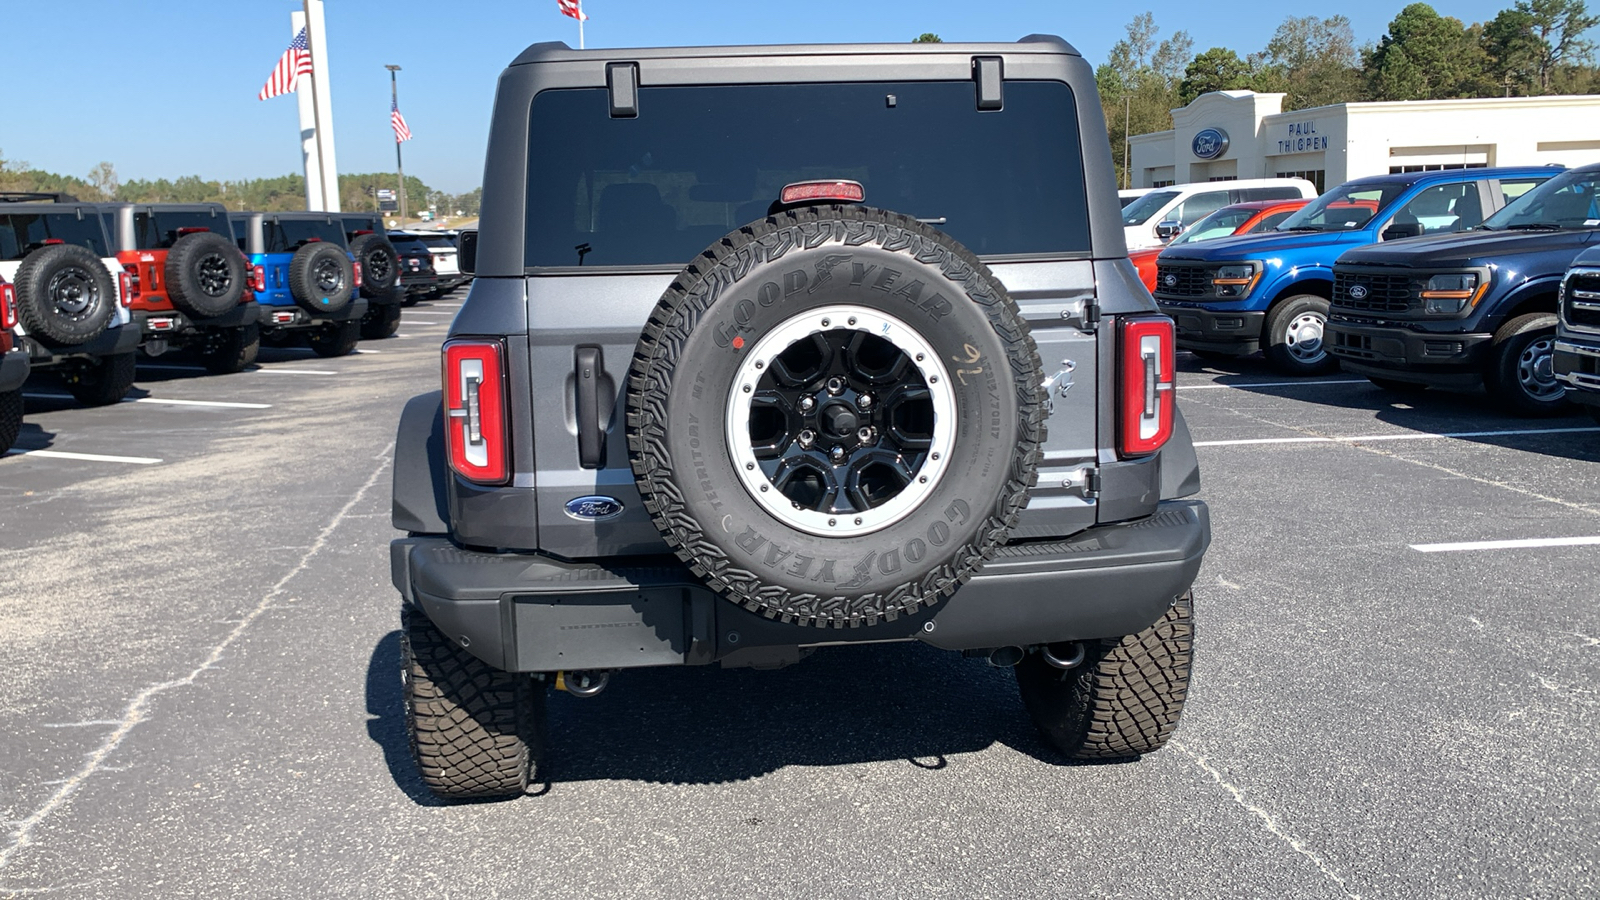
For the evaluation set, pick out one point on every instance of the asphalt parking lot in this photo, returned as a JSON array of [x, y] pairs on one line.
[[201, 693]]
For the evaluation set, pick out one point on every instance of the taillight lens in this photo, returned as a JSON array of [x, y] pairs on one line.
[[475, 410], [8, 307], [258, 278], [1147, 351], [125, 282], [357, 267]]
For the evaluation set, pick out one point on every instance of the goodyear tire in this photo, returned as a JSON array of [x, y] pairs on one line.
[[104, 381], [225, 351], [205, 275], [10, 418], [380, 265], [64, 294], [321, 278], [758, 459]]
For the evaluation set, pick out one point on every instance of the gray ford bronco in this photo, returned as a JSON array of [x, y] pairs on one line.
[[778, 348]]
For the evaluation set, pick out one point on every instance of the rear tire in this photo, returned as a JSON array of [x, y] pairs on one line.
[[230, 350], [1397, 386], [104, 381], [476, 732], [1124, 699], [10, 418], [1521, 375], [1295, 340], [334, 338], [380, 322]]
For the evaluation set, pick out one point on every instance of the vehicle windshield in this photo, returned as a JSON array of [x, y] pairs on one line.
[[1346, 207], [1221, 223], [1139, 211], [287, 235], [23, 232], [439, 241], [159, 229], [405, 243], [1565, 201]]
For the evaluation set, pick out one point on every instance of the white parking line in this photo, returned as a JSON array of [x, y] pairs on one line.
[[90, 457], [365, 350], [277, 371], [1268, 384], [1409, 436], [170, 368], [1506, 545], [167, 368], [221, 404]]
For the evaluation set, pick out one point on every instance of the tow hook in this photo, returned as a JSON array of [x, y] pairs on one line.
[[1063, 656], [586, 683]]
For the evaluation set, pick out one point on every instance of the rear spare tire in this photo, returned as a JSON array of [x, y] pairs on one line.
[[380, 264], [64, 294], [205, 275], [834, 416], [321, 278]]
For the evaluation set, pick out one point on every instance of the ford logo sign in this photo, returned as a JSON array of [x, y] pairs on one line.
[[1170, 281], [1210, 143], [593, 508], [1358, 292]]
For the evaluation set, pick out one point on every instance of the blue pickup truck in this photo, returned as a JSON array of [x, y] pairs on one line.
[[305, 278], [1270, 291]]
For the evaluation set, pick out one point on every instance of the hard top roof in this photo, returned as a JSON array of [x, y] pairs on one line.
[[1453, 174], [558, 51]]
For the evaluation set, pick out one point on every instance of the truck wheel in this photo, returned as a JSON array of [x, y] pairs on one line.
[[104, 381], [10, 418], [321, 278], [1123, 699], [64, 294], [229, 350], [334, 338], [476, 732], [1294, 339], [834, 416], [380, 264], [1397, 386], [380, 322], [1521, 372], [205, 274]]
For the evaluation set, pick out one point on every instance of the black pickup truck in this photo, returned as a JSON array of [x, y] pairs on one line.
[[1577, 360]]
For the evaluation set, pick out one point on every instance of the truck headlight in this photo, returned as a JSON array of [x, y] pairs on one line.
[[1448, 293], [1234, 281]]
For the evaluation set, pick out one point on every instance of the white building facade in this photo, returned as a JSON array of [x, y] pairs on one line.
[[1227, 135]]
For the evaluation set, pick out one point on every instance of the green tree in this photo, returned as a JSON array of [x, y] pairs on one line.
[[1531, 46], [1139, 82], [1426, 56], [1217, 69], [928, 37], [1314, 61]]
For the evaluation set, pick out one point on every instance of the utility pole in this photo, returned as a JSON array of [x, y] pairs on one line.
[[394, 97], [1127, 128]]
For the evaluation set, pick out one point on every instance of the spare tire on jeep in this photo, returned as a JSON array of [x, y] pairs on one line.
[[64, 294], [380, 264], [205, 275], [321, 277], [834, 415]]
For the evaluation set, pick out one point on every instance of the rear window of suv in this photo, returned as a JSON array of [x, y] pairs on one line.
[[701, 161], [286, 235], [159, 230], [21, 233]]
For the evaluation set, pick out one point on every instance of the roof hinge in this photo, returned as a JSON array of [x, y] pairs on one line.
[[988, 72], [622, 80]]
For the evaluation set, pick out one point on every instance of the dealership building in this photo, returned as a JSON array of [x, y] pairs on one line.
[[1226, 135]]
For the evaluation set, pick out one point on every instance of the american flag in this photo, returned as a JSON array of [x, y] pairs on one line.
[[573, 8], [401, 132], [294, 62]]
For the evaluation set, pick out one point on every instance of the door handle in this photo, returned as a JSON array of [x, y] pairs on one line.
[[590, 374]]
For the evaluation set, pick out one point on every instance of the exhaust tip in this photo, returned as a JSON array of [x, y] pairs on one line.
[[1005, 657], [1063, 656]]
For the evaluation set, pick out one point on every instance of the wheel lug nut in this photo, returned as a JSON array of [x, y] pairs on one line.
[[865, 435], [864, 401], [807, 438], [807, 404], [835, 385], [836, 454]]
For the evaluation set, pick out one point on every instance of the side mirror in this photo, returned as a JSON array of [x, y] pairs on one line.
[[1169, 229], [1396, 232], [467, 251]]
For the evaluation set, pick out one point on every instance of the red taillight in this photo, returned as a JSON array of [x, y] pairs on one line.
[[1147, 352], [8, 307], [125, 282], [475, 410], [258, 278], [844, 191], [192, 229], [358, 274], [130, 281], [50, 242]]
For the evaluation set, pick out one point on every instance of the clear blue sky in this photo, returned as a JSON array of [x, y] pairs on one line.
[[169, 89]]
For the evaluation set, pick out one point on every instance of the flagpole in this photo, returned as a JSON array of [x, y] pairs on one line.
[[309, 151], [580, 24], [394, 100], [321, 104]]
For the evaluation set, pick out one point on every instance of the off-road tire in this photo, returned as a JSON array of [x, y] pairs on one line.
[[334, 338], [476, 732], [1281, 351], [381, 321], [1124, 700], [205, 275], [380, 264], [321, 278], [65, 296], [727, 298], [10, 418], [1397, 386], [1505, 377], [103, 382], [225, 351]]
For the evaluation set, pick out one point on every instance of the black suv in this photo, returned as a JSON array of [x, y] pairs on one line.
[[1577, 350], [380, 273], [772, 349], [1469, 309], [417, 273]]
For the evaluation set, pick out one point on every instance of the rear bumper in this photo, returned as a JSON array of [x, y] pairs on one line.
[[417, 284], [119, 339], [1577, 365], [280, 316], [530, 613], [1447, 360], [176, 323], [14, 368], [1227, 331]]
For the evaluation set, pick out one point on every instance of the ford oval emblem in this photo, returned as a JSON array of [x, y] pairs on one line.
[[594, 508], [1358, 292], [1170, 281], [1210, 143]]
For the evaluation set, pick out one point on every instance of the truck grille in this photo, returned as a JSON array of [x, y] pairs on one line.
[[1183, 280], [1379, 292], [1581, 308]]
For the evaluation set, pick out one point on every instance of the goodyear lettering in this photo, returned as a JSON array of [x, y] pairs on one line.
[[800, 565], [859, 273], [776, 554], [958, 508], [768, 294], [886, 279], [916, 550], [794, 282], [889, 563], [749, 542], [863, 570]]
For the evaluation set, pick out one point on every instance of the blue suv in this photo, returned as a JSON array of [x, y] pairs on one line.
[[305, 278], [1270, 291]]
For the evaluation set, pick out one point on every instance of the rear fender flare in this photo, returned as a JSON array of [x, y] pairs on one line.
[[421, 469]]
